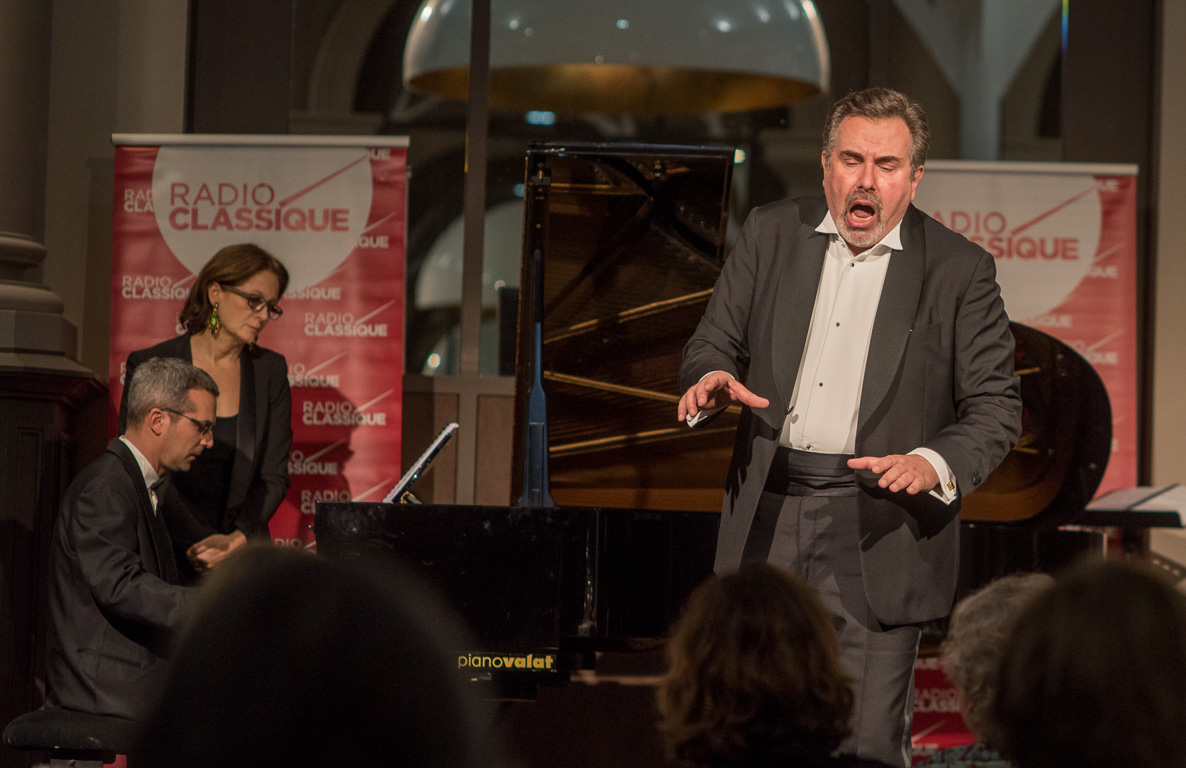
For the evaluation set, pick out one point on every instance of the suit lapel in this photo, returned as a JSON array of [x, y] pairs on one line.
[[245, 441], [798, 285], [896, 312], [162, 553]]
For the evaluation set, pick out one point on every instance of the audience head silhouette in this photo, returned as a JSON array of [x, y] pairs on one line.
[[1094, 675], [754, 677], [296, 660], [976, 637]]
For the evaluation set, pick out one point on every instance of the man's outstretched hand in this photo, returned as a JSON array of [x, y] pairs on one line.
[[910, 473], [716, 390]]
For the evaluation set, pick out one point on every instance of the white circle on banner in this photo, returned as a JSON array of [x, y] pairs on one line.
[[1043, 229], [307, 206]]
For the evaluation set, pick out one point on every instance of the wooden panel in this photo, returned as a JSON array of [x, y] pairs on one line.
[[492, 470]]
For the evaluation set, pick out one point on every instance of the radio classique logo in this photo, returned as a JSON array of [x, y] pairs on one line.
[[309, 207], [1042, 229]]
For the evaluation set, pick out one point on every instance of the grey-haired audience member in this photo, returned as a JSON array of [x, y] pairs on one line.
[[971, 656]]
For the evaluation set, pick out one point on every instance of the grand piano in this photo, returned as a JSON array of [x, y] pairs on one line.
[[617, 503]]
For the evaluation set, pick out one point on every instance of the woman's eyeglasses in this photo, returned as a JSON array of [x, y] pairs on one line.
[[255, 302]]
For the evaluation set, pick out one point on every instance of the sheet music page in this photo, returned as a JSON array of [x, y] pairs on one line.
[[1173, 500], [1126, 498]]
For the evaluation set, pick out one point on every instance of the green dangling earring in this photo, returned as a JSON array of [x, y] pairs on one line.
[[215, 322]]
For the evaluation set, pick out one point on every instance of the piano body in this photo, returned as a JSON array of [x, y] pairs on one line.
[[622, 245]]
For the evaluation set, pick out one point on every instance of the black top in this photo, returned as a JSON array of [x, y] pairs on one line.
[[207, 483]]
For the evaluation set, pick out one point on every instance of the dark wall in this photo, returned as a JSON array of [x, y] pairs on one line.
[[240, 64]]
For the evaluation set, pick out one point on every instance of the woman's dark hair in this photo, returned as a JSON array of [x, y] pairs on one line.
[[754, 674], [232, 265], [1095, 673]]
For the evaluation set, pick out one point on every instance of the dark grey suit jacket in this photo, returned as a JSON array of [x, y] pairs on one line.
[[259, 475], [114, 599], [939, 374]]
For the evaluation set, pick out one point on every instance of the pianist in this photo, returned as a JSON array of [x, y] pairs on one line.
[[115, 599], [871, 350]]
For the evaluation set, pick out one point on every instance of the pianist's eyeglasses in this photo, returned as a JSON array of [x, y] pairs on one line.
[[204, 427]]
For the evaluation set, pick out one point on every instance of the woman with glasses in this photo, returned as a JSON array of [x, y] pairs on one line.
[[235, 487]]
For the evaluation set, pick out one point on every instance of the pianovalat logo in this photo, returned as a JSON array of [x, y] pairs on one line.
[[301, 376], [154, 288], [1043, 230], [340, 413], [506, 661], [299, 465], [344, 324], [308, 206], [310, 499]]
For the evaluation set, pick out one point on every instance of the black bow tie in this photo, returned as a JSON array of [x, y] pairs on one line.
[[156, 487]]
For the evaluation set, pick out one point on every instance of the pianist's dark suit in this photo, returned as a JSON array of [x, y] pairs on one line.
[[114, 599]]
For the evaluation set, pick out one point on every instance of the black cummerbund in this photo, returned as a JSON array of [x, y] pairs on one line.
[[804, 473]]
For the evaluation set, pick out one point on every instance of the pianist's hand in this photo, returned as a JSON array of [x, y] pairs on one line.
[[212, 550], [715, 390], [910, 472]]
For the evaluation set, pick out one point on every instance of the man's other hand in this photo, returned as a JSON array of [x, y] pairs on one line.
[[910, 473], [208, 553], [715, 390]]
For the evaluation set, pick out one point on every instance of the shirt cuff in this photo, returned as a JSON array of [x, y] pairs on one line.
[[946, 491]]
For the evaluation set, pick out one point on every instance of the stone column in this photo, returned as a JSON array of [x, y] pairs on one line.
[[34, 336], [42, 386]]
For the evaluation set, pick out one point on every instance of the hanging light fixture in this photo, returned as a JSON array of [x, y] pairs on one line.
[[625, 56]]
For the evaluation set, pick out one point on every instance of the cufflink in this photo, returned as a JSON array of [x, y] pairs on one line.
[[950, 486]]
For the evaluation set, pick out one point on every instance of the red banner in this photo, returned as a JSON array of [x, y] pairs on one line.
[[1064, 237], [333, 210]]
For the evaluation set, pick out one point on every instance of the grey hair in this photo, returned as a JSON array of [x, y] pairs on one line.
[[975, 644], [881, 104], [164, 382]]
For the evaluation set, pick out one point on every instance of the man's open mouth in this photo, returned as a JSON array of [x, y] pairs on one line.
[[861, 212]]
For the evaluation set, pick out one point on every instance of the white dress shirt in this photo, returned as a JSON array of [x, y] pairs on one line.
[[827, 396], [826, 401], [150, 475]]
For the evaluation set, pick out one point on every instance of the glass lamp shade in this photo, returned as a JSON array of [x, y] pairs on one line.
[[625, 56]]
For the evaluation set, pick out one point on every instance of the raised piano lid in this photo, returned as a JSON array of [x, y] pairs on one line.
[[632, 238]]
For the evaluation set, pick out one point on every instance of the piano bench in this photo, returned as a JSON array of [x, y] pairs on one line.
[[72, 739]]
